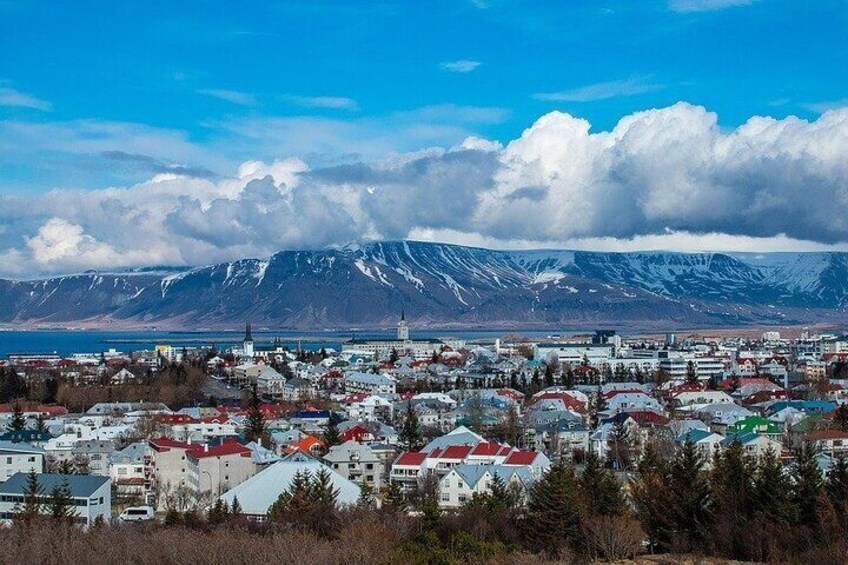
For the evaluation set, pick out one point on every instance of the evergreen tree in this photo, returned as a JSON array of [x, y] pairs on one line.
[[600, 490], [688, 495], [549, 375], [840, 417], [366, 497], [255, 425], [218, 513], [61, 503], [331, 435], [598, 405], [651, 461], [41, 424], [321, 488], [836, 487], [394, 499], [32, 504], [807, 487], [66, 467], [620, 444], [235, 508], [772, 491], [552, 520], [651, 499], [18, 421], [731, 496], [691, 374], [410, 437]]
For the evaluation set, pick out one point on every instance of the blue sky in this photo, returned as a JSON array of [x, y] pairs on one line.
[[110, 94]]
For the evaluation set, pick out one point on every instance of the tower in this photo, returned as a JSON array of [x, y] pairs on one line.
[[248, 341], [402, 328]]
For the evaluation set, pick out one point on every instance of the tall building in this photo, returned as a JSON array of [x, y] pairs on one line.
[[248, 341], [402, 328]]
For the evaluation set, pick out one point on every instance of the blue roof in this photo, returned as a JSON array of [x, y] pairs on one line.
[[815, 406], [80, 485], [694, 436], [741, 437]]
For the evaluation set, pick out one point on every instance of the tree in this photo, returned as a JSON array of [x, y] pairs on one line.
[[218, 513], [731, 496], [772, 491], [807, 482], [691, 374], [552, 521], [366, 497], [394, 499], [620, 444], [836, 487], [601, 492], [688, 495], [32, 505], [598, 405], [410, 436], [549, 375], [41, 424], [61, 503], [331, 435], [255, 425], [66, 467], [235, 507], [840, 417], [18, 421]]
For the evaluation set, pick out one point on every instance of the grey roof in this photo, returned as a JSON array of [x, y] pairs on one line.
[[472, 474], [19, 447], [369, 378], [80, 485], [258, 493], [459, 436], [347, 450], [133, 453]]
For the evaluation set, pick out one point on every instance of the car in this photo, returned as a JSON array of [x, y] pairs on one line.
[[137, 514]]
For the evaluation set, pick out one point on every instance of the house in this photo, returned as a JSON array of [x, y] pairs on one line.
[[720, 416], [629, 401], [830, 442], [19, 458], [257, 494], [357, 463], [126, 469], [706, 442], [218, 468], [755, 424], [369, 382], [270, 383], [122, 377], [698, 398], [754, 444], [408, 468], [297, 389], [463, 482], [93, 455], [92, 496]]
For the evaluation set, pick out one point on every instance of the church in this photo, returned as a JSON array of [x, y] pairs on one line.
[[402, 344]]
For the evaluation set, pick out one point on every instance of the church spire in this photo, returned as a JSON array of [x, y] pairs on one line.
[[247, 336]]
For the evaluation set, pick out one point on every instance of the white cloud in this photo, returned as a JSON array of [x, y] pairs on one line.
[[461, 66], [667, 178], [705, 5], [17, 99], [233, 96], [825, 105], [327, 102], [601, 91]]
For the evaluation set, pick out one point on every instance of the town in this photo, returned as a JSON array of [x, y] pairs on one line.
[[598, 445]]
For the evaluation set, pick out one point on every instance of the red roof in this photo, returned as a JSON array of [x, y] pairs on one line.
[[222, 450], [486, 449], [355, 433], [521, 458], [456, 452], [411, 458], [648, 417]]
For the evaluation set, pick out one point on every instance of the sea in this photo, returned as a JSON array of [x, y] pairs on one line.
[[66, 342]]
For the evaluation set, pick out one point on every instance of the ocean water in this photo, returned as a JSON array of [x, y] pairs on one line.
[[66, 342]]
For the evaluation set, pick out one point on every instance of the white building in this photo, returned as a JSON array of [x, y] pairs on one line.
[[371, 383], [92, 496], [19, 458]]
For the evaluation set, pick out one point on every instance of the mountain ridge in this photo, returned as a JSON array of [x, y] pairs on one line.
[[447, 285]]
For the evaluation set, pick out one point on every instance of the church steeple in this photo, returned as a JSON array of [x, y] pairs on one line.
[[247, 336], [402, 328], [247, 349]]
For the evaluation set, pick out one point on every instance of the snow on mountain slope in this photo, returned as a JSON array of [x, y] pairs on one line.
[[446, 284]]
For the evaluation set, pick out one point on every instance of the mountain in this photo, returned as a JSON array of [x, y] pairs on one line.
[[441, 285]]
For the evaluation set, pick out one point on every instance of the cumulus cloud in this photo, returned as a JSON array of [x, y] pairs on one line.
[[667, 178]]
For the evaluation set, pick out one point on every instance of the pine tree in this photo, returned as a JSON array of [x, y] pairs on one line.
[[552, 519], [651, 461], [32, 505], [836, 487], [807, 487], [18, 421], [772, 491], [41, 424], [218, 513], [688, 494], [331, 435], [61, 503], [549, 375], [691, 374], [321, 488], [651, 499], [366, 498], [600, 490], [731, 496], [394, 499], [255, 425], [410, 436], [235, 508], [840, 417], [66, 467], [620, 444]]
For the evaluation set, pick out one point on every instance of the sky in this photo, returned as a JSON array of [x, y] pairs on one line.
[[186, 133]]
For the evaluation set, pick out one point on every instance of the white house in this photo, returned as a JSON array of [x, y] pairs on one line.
[[270, 383], [19, 458], [92, 495], [369, 382], [458, 486]]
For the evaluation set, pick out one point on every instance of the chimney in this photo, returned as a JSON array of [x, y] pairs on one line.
[[206, 448]]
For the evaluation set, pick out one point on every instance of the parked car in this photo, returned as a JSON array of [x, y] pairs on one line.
[[137, 514]]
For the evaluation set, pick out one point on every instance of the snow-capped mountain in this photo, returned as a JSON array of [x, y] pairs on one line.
[[447, 285]]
